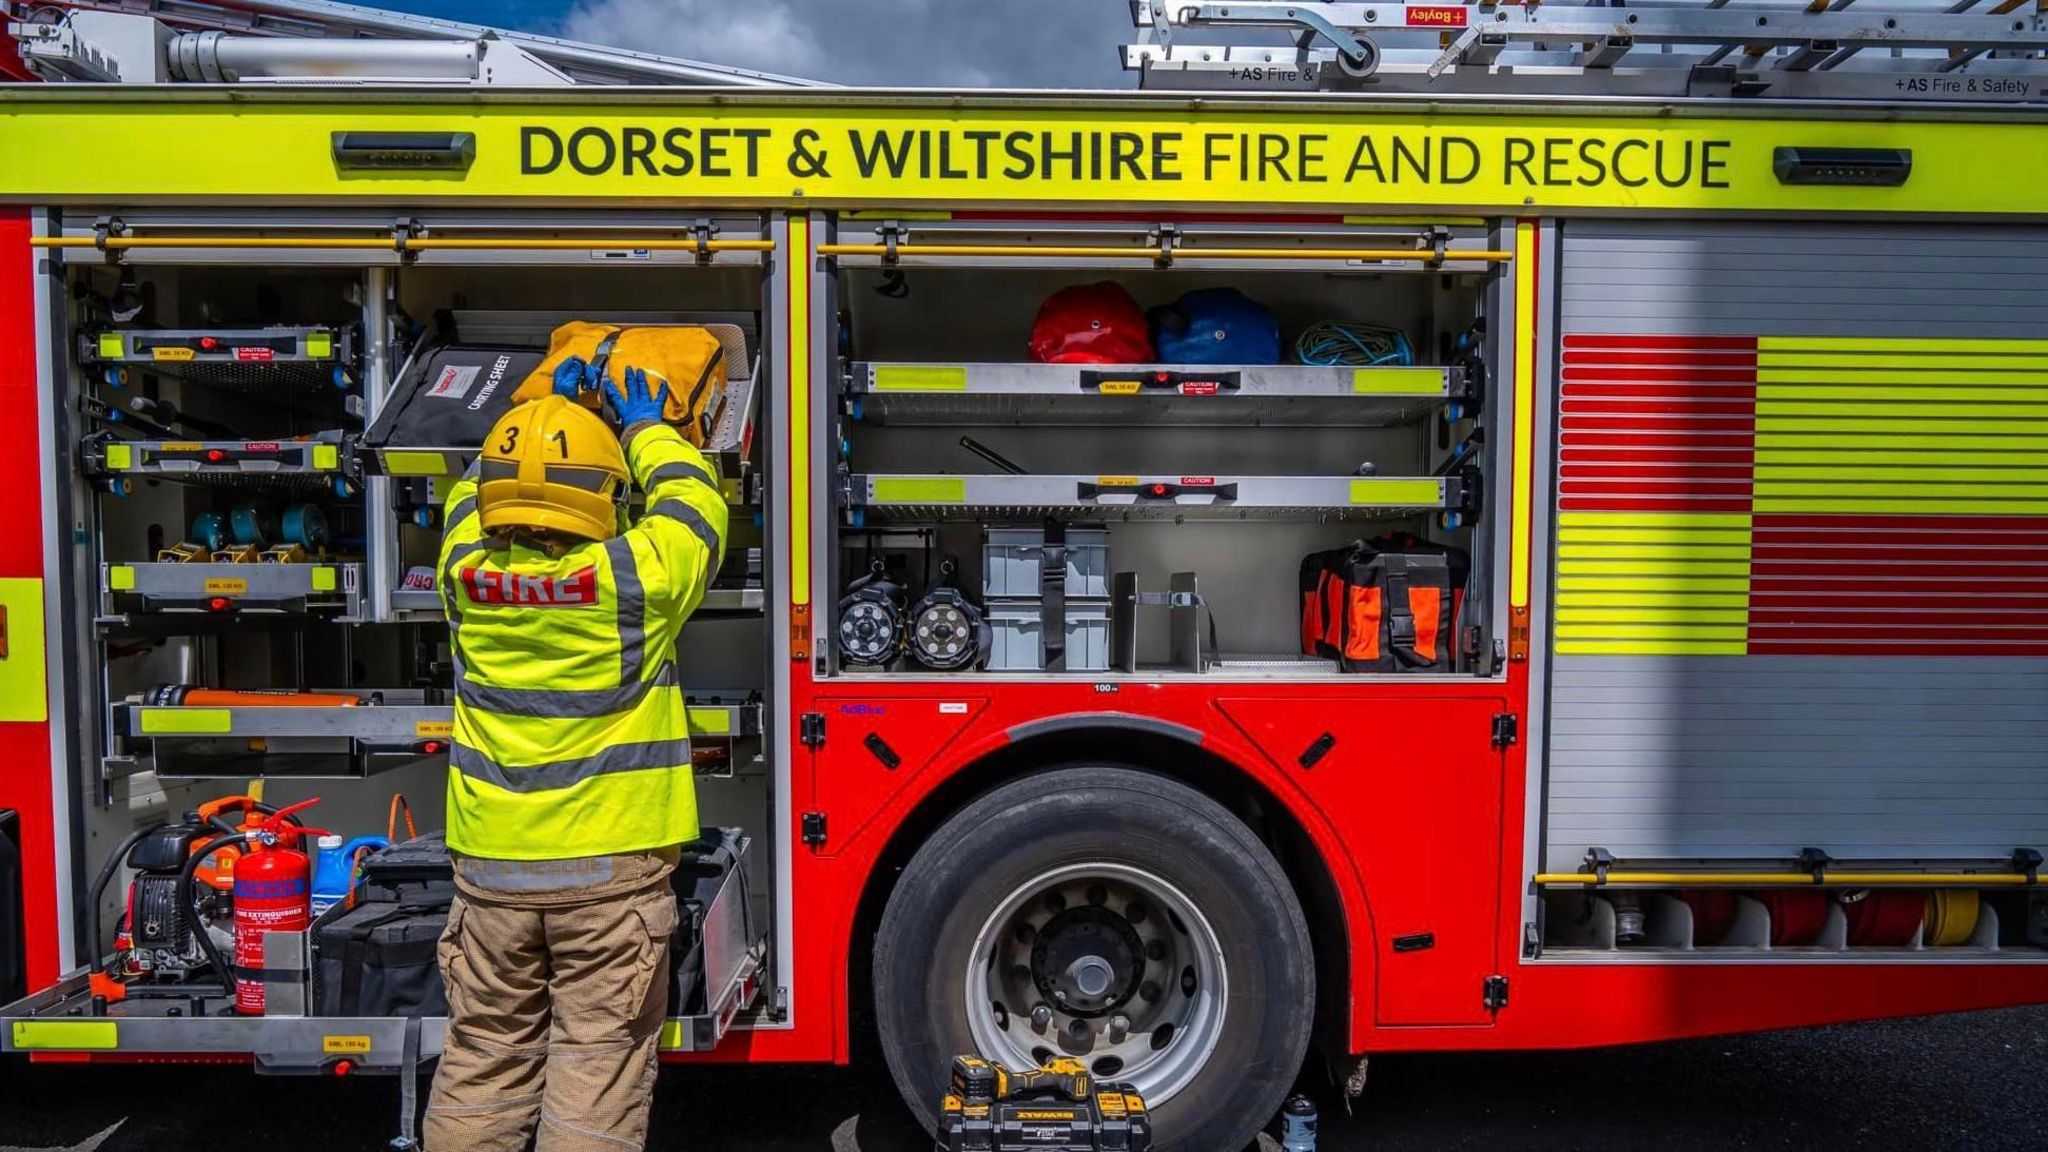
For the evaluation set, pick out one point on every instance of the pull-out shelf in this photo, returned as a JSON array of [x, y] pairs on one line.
[[308, 465], [221, 589], [900, 496], [307, 359], [390, 729], [1283, 395]]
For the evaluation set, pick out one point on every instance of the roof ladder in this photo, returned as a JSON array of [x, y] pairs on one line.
[[1974, 51]]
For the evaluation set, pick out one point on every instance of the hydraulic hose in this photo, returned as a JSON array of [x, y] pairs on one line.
[[199, 933]]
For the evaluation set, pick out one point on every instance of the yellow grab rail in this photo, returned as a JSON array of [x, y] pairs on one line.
[[1085, 251], [1829, 879], [405, 244]]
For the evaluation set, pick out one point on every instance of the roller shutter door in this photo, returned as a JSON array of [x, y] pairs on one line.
[[1801, 542]]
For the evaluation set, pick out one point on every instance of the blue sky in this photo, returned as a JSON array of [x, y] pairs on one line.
[[949, 43]]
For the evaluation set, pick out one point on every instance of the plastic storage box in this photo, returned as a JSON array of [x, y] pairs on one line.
[[1015, 631], [1011, 557]]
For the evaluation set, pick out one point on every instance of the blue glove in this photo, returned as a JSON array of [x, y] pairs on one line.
[[640, 402], [573, 377]]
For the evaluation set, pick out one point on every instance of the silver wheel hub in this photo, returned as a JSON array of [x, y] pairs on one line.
[[1107, 963]]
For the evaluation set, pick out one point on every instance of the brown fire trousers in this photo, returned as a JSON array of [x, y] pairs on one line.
[[558, 981]]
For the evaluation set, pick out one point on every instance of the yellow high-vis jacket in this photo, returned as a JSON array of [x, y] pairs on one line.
[[571, 736]]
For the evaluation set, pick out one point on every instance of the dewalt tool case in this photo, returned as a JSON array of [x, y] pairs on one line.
[[1377, 606], [688, 358]]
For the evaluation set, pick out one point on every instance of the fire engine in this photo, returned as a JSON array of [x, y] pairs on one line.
[[1463, 526]]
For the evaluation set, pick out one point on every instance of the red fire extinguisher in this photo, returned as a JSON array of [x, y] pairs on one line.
[[273, 893]]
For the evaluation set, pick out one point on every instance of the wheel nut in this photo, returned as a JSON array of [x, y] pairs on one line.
[[1041, 1016], [1119, 1027]]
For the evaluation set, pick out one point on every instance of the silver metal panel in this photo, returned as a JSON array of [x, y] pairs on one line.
[[1760, 756], [1781, 280], [1734, 756]]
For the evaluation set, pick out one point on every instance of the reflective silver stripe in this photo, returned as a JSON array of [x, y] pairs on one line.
[[679, 470], [562, 703], [463, 510], [674, 754], [497, 469], [632, 604], [536, 875], [700, 527]]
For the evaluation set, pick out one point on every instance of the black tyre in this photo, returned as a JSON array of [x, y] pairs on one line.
[[1111, 915]]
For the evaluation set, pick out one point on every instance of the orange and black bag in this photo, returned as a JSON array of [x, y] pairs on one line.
[[1377, 609]]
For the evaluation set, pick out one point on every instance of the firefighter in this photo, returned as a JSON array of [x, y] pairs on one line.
[[569, 783]]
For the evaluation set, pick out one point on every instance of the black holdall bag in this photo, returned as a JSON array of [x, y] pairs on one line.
[[378, 957]]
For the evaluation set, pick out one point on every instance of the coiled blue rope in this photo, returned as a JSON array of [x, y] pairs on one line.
[[1346, 342]]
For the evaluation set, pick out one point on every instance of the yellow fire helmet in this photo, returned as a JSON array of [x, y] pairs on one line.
[[552, 465]]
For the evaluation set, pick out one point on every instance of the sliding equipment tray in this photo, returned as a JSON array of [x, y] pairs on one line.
[[900, 496], [394, 729], [245, 359], [229, 588], [1284, 395], [64, 1019], [450, 394], [314, 464], [391, 729]]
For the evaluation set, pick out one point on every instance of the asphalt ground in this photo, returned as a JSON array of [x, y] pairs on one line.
[[1958, 1082]]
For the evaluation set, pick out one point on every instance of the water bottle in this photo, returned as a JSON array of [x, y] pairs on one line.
[[334, 871], [1298, 1125]]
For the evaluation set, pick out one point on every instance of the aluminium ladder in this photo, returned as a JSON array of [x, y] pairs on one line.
[[1840, 50]]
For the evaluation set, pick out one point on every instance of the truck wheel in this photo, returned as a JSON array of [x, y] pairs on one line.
[[1113, 916]]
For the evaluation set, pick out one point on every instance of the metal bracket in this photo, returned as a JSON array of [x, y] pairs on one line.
[[1599, 860], [1438, 238], [2027, 860], [703, 230], [811, 729], [404, 230], [814, 829], [892, 232], [1166, 237], [1814, 861], [106, 228]]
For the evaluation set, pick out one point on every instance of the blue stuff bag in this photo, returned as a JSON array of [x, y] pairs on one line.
[[1215, 326]]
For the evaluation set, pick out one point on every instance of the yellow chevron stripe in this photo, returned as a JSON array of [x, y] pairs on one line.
[[1654, 630], [1667, 550], [1779, 505], [1653, 647], [1949, 424], [1652, 583], [1875, 455], [1633, 584], [1869, 489], [1587, 597], [1669, 520], [1945, 392], [1769, 345], [1897, 410], [1986, 360], [1642, 618], [1953, 374], [1775, 477]]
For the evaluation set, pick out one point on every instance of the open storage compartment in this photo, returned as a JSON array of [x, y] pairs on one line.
[[255, 506], [1207, 483]]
